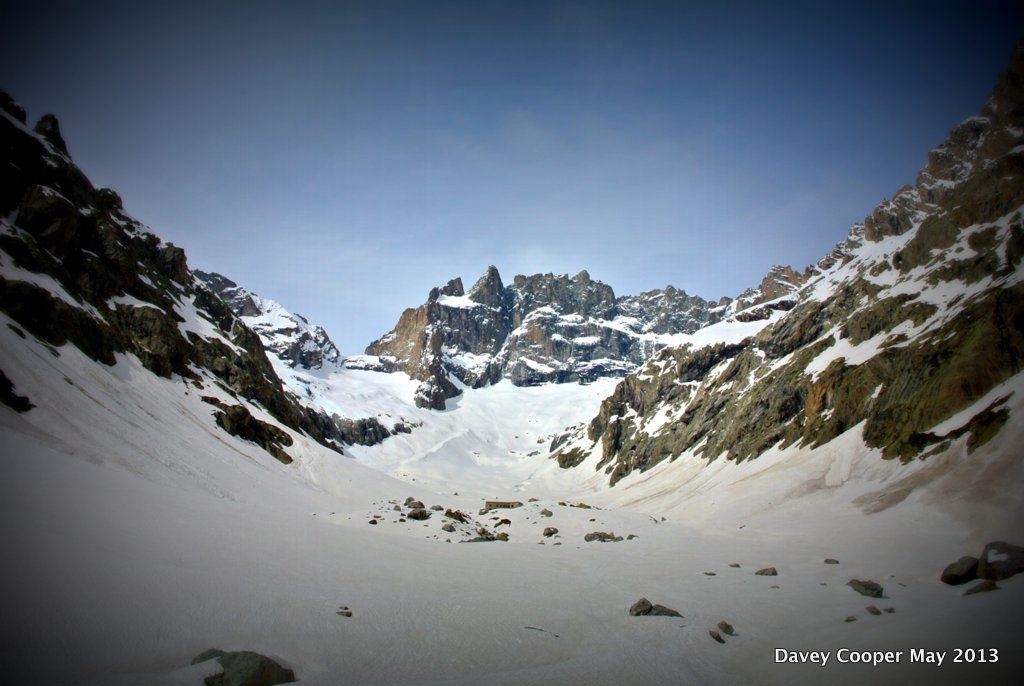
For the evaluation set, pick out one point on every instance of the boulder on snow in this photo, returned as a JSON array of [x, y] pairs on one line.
[[411, 502], [550, 531], [960, 572], [644, 608], [717, 636], [831, 561], [767, 571], [546, 512], [1000, 560], [602, 536], [726, 628], [419, 513], [244, 668], [868, 588]]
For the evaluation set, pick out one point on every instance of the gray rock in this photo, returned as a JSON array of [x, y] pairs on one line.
[[244, 668], [644, 608], [767, 571], [550, 531], [412, 503], [546, 512], [726, 628], [640, 608], [448, 526], [717, 636], [419, 513], [960, 572], [436, 508], [831, 561], [1000, 560], [873, 610], [868, 588]]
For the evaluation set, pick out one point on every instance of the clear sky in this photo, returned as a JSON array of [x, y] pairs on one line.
[[345, 157]]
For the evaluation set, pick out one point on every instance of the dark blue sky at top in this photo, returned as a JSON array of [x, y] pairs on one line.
[[345, 157]]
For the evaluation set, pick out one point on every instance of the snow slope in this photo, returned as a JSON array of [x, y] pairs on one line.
[[138, 534]]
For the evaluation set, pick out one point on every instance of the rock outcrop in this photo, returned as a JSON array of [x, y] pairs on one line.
[[76, 269], [916, 316], [541, 328]]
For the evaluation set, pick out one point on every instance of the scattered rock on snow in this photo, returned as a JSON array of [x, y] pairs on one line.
[[726, 628], [457, 515], [448, 527], [436, 508], [344, 611], [717, 636], [734, 565], [244, 668], [419, 514], [546, 512], [412, 503], [851, 618], [767, 571], [960, 572], [831, 561], [873, 610], [550, 531], [868, 588]]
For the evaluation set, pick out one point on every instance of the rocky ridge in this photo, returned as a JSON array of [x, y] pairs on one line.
[[287, 335], [76, 269], [541, 328], [905, 332]]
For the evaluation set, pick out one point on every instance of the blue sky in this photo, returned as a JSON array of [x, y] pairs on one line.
[[343, 158]]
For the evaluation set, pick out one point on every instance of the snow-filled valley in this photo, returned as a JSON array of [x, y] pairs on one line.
[[139, 534]]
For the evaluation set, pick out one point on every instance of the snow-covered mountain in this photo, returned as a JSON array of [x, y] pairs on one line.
[[287, 335], [909, 337], [541, 328], [172, 479]]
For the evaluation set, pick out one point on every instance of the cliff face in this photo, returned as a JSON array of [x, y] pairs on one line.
[[905, 332], [541, 328], [76, 269]]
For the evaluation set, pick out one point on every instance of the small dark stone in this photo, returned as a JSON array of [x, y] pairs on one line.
[[734, 565], [767, 571], [631, 537], [873, 610], [436, 508], [412, 503], [550, 531], [709, 574], [868, 588], [831, 561], [546, 512], [982, 587], [448, 526], [419, 514], [717, 636], [726, 628], [960, 572], [373, 521], [851, 618]]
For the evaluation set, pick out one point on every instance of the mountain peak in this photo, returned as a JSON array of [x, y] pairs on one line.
[[488, 290]]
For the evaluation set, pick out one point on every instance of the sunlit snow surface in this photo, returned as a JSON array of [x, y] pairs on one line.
[[137, 534]]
